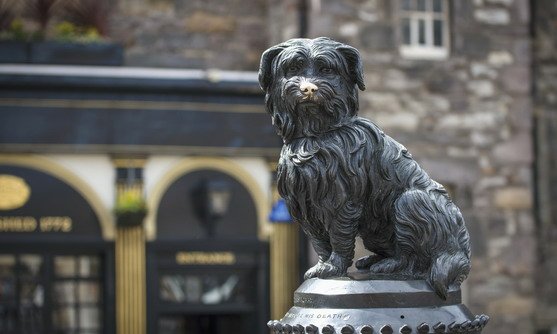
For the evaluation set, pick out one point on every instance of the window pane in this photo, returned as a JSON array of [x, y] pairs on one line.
[[30, 319], [30, 265], [406, 31], [422, 5], [437, 32], [64, 318], [64, 266], [89, 266], [205, 289], [7, 264], [7, 288], [64, 292], [421, 32], [407, 4], [89, 318], [169, 324], [88, 292], [31, 294], [438, 6]]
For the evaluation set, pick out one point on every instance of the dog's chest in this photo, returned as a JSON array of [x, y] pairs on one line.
[[317, 171]]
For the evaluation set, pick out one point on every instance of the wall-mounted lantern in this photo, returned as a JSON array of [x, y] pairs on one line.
[[211, 200]]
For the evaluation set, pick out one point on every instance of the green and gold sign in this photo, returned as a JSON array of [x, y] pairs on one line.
[[33, 202], [31, 224], [14, 192]]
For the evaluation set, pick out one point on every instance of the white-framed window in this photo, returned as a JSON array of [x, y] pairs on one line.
[[424, 28]]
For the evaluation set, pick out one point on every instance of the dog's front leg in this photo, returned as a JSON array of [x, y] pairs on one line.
[[320, 241], [342, 230]]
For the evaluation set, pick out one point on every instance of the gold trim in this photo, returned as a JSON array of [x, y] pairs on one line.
[[223, 165], [272, 165], [106, 219], [205, 150], [129, 162], [133, 105]]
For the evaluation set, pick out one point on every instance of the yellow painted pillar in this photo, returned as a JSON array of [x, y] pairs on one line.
[[130, 280], [284, 267]]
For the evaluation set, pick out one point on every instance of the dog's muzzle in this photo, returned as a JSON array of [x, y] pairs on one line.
[[308, 89]]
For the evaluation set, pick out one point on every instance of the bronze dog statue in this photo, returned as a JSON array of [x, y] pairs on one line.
[[341, 176]]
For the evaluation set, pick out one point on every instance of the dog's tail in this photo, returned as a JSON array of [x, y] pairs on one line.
[[446, 270], [451, 266]]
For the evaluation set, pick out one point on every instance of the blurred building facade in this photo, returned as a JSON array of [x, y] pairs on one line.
[[467, 86]]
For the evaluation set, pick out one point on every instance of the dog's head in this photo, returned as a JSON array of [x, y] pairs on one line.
[[311, 85]]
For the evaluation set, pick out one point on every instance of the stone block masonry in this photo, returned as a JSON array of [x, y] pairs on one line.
[[469, 113], [192, 34]]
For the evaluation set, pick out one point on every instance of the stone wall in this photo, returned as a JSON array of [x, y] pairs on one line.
[[192, 34], [467, 120], [545, 99]]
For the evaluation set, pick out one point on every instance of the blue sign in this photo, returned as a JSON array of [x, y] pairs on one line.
[[279, 213]]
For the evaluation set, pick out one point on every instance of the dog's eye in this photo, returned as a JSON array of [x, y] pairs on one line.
[[294, 68], [326, 70]]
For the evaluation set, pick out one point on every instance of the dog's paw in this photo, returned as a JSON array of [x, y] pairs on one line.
[[315, 270], [329, 270], [324, 270], [367, 261], [335, 266]]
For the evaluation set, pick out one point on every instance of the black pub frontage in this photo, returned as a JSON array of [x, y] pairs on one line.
[[194, 148]]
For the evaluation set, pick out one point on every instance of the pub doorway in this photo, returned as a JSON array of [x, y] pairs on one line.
[[56, 268], [207, 269]]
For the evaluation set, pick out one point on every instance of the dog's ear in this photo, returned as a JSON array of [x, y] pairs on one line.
[[355, 65], [265, 67]]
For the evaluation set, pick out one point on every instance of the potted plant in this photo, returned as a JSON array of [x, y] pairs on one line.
[[130, 209], [70, 32], [76, 46], [80, 38], [13, 39]]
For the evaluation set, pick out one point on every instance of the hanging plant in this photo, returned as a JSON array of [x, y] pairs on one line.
[[130, 209]]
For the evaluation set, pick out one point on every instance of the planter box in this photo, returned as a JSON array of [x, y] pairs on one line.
[[129, 219], [14, 52], [66, 53]]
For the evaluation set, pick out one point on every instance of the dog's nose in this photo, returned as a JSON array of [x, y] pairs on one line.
[[308, 88]]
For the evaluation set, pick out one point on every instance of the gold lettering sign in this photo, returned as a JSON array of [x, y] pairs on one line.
[[30, 224], [205, 258], [14, 192], [56, 224], [18, 224]]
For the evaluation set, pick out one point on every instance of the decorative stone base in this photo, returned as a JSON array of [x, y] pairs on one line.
[[365, 304]]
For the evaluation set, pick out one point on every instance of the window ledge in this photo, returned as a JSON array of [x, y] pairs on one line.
[[421, 52]]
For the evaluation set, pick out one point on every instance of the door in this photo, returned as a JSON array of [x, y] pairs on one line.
[[202, 324], [204, 287], [207, 270]]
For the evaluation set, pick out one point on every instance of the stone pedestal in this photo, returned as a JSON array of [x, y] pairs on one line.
[[366, 304]]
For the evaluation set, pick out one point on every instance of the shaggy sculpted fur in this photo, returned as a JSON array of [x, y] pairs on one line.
[[341, 176]]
